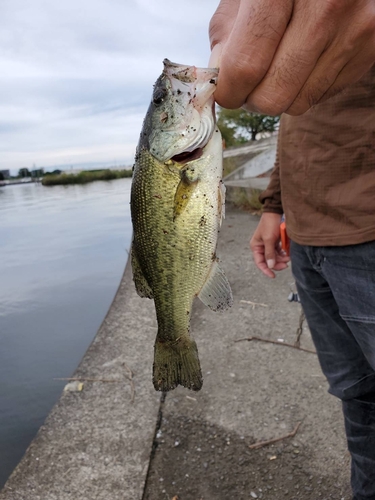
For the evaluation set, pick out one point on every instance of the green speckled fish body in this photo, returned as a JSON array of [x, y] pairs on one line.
[[177, 202]]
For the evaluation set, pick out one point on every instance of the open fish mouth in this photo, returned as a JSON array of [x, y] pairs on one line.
[[187, 156]]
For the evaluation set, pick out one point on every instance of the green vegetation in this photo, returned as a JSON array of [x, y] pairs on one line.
[[237, 126], [85, 176], [55, 172]]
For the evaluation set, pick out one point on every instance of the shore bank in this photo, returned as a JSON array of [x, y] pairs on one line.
[[85, 176]]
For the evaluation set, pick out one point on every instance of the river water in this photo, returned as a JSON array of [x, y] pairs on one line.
[[63, 250]]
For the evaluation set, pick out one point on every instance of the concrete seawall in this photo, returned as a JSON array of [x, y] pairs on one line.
[[105, 442], [97, 443]]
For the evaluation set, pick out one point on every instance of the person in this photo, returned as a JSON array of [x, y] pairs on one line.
[[296, 58]]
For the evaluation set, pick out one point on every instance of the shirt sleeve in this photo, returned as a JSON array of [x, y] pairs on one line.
[[271, 197]]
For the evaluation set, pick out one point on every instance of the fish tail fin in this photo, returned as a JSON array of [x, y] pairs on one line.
[[176, 363]]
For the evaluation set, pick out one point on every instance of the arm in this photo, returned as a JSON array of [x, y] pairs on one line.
[[280, 56]]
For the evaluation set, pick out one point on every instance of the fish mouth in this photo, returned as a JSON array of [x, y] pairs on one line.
[[188, 156]]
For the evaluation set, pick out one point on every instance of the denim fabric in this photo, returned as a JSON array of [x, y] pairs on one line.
[[336, 286]]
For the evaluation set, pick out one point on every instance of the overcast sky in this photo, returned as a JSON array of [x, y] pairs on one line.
[[77, 75]]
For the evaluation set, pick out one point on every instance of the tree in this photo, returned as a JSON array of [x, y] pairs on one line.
[[237, 122], [1, 176], [24, 172]]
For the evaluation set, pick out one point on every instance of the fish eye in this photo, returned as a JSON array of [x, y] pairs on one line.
[[159, 96]]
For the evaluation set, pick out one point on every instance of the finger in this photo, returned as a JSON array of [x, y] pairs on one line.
[[292, 65], [282, 258], [249, 49], [350, 55], [258, 256], [280, 266], [322, 84], [270, 253], [220, 28]]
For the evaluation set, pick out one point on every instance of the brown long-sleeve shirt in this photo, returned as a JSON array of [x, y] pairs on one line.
[[324, 174]]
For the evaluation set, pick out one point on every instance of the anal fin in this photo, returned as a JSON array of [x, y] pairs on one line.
[[216, 292]]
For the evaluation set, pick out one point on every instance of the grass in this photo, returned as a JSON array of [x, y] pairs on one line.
[[85, 176]]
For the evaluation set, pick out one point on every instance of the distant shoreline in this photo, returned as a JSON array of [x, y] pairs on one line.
[[85, 176]]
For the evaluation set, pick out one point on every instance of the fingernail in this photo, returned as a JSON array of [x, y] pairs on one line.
[[215, 57], [270, 263]]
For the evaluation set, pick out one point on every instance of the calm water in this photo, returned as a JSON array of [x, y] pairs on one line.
[[63, 250]]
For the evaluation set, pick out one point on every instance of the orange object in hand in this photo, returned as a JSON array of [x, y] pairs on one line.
[[285, 241]]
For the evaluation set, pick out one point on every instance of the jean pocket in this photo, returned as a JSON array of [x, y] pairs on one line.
[[353, 290]]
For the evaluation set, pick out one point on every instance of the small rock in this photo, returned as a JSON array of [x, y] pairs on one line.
[[75, 386], [253, 494]]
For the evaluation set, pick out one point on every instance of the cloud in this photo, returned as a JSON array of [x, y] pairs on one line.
[[77, 76]]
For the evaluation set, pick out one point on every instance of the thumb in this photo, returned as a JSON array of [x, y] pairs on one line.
[[270, 254], [220, 28], [215, 57]]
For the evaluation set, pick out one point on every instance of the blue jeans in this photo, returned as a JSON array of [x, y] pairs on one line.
[[336, 286]]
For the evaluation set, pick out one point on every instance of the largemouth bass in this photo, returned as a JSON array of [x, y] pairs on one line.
[[177, 203]]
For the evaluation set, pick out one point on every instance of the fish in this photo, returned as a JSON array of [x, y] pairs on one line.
[[177, 205]]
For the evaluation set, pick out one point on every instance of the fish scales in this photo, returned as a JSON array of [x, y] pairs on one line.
[[176, 214], [178, 253]]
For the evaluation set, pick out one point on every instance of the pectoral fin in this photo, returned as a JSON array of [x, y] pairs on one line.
[[185, 190], [141, 284], [216, 292]]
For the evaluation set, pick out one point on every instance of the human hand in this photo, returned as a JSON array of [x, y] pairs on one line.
[[266, 246], [280, 56]]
